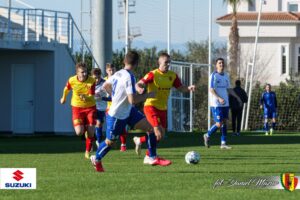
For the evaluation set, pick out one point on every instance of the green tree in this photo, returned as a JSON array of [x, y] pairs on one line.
[[234, 36]]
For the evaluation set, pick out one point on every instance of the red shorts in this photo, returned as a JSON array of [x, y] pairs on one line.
[[84, 116], [156, 117]]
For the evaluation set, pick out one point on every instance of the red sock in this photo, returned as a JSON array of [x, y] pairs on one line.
[[143, 139], [123, 137], [89, 143]]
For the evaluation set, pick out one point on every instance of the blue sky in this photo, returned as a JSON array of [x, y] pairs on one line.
[[189, 18]]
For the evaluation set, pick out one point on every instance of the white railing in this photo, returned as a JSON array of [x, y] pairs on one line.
[[41, 25]]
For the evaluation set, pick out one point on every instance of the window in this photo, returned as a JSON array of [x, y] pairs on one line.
[[293, 7], [298, 56], [283, 59], [251, 5]]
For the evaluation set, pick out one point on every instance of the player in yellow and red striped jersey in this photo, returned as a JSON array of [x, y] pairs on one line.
[[83, 103], [160, 81]]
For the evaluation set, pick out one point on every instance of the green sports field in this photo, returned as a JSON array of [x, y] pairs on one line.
[[63, 173]]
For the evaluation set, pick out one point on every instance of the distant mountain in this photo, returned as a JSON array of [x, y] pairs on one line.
[[117, 45]]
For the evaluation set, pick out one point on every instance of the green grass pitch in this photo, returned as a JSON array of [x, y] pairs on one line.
[[63, 173]]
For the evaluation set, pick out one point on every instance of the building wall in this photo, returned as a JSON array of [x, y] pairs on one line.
[[268, 68], [268, 6], [285, 4], [52, 70], [43, 88]]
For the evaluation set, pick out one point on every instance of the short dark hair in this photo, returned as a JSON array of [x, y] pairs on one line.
[[164, 54], [222, 59], [132, 58], [238, 83], [268, 84], [81, 65], [96, 71]]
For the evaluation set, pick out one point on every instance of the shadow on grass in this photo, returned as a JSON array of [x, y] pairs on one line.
[[71, 144]]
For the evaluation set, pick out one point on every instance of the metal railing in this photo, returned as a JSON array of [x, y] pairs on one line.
[[42, 25], [181, 106]]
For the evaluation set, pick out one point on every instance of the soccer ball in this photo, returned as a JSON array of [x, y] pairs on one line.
[[192, 157]]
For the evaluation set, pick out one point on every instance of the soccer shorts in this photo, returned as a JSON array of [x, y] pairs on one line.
[[84, 116], [270, 113], [101, 115], [220, 113], [114, 126], [156, 117]]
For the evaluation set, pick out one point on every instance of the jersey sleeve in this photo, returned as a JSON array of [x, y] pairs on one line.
[[68, 85], [148, 78], [212, 82], [177, 83], [92, 89], [130, 85]]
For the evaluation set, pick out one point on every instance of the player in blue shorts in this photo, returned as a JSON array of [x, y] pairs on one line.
[[268, 102], [122, 112], [219, 103]]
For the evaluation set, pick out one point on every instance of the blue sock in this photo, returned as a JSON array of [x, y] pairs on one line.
[[151, 144], [223, 133], [266, 126], [273, 125], [98, 134], [212, 130], [102, 150]]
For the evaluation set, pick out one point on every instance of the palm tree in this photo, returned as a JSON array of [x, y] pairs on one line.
[[234, 37]]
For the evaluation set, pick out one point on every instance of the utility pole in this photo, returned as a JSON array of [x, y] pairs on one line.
[[129, 32]]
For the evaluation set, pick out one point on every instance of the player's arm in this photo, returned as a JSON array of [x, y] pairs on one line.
[[142, 84], [107, 86], [261, 101], [66, 91], [182, 88], [90, 94]]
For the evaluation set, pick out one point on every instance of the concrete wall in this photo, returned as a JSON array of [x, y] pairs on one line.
[[268, 67], [285, 4], [266, 30], [270, 6], [52, 69], [43, 88]]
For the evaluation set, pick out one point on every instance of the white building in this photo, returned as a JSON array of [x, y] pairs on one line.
[[36, 53], [278, 51]]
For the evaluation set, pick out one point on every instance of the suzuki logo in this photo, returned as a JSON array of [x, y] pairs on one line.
[[18, 175]]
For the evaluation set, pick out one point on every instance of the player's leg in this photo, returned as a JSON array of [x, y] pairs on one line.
[[99, 125], [138, 121], [91, 115], [158, 120], [273, 122], [78, 121], [239, 121], [216, 115], [113, 130], [266, 123], [224, 117], [123, 138], [233, 121]]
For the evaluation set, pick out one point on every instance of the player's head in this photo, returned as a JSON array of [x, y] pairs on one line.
[[220, 65], [131, 59], [81, 71], [268, 87], [110, 69], [238, 83], [96, 74], [164, 62]]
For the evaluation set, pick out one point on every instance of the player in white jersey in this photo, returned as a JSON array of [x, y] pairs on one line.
[[219, 103], [101, 103], [121, 86]]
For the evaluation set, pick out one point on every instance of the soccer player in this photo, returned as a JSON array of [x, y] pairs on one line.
[[101, 104], [268, 101], [83, 103], [110, 70], [121, 86], [160, 80], [219, 83]]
